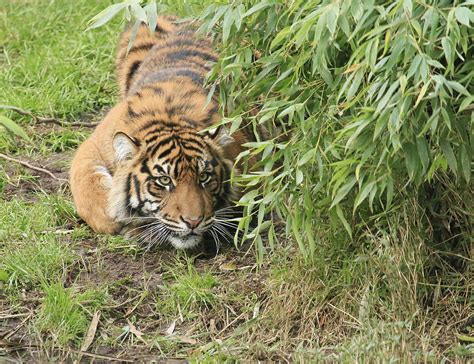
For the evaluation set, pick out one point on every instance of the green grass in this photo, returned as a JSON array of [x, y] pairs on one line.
[[64, 313], [24, 220], [32, 263], [30, 239], [188, 291], [51, 66]]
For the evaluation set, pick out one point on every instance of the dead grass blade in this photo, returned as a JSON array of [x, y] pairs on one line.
[[89, 338]]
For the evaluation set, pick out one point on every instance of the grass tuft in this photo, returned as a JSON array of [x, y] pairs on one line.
[[22, 220], [31, 244], [33, 263], [63, 313], [188, 292]]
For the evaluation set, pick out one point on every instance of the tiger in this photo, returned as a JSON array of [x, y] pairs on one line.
[[155, 168]]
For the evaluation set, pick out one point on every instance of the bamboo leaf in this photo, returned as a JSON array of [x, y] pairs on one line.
[[106, 15], [448, 51], [421, 94], [363, 193], [227, 24], [449, 155], [411, 159], [299, 176], [280, 37], [332, 16], [466, 164], [463, 15], [422, 147], [14, 128], [151, 15], [458, 87], [466, 103], [217, 16], [340, 215], [259, 6], [342, 192], [306, 157], [138, 12]]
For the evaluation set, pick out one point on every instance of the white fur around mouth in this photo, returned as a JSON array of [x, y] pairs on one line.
[[185, 242]]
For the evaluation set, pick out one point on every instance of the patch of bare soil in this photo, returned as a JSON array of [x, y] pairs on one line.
[[57, 163], [26, 188]]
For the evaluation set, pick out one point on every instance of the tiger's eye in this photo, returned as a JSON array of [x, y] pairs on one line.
[[164, 180], [204, 177]]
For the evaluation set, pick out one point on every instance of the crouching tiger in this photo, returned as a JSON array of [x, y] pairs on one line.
[[149, 169]]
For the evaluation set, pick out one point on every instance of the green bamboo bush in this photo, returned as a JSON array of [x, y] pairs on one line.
[[367, 103]]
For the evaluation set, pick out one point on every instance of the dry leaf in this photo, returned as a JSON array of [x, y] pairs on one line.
[[352, 68], [89, 338], [186, 340], [134, 331], [228, 266], [212, 326], [170, 329]]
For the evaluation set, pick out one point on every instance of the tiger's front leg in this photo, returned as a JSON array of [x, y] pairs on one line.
[[90, 185]]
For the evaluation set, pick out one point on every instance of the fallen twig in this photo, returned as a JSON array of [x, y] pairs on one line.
[[41, 119], [34, 168], [99, 356], [16, 346], [123, 303]]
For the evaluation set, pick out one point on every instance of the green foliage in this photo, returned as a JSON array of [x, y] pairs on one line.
[[22, 220], [147, 11], [8, 128], [367, 100], [60, 141]]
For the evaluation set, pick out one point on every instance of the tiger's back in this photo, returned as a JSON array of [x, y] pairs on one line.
[[172, 50]]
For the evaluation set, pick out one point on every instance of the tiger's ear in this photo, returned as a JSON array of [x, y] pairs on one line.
[[220, 135], [125, 147]]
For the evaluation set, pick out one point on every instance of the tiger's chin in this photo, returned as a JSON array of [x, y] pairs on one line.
[[185, 242]]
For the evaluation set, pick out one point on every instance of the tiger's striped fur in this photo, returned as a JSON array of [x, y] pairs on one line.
[[148, 168]]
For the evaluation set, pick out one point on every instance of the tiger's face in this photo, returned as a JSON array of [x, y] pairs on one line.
[[169, 187]]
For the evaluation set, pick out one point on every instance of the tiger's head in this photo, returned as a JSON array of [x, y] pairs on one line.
[[170, 185]]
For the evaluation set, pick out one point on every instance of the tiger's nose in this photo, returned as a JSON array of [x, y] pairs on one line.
[[192, 222]]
